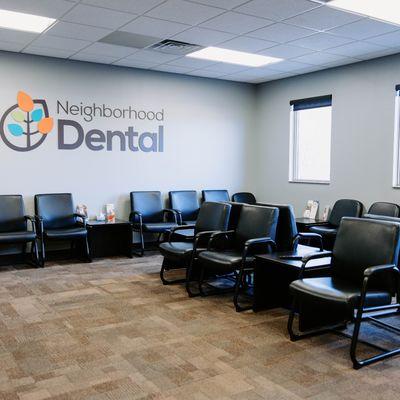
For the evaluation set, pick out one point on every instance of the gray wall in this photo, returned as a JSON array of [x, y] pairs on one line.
[[362, 135], [207, 128]]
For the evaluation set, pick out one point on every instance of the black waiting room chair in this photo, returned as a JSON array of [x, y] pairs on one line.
[[232, 252], [384, 208], [364, 278], [186, 204], [14, 226], [244, 197], [342, 208], [215, 195], [57, 221], [177, 255], [149, 216]]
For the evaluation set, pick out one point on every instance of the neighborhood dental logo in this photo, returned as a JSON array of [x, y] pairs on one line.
[[25, 126]]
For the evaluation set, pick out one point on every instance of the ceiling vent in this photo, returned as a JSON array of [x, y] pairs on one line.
[[173, 47]]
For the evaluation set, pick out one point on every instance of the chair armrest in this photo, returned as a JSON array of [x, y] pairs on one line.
[[179, 228], [202, 236], [179, 215], [32, 220], [251, 243], [312, 256], [39, 224], [380, 268], [134, 214], [83, 217], [172, 212], [308, 235], [217, 235]]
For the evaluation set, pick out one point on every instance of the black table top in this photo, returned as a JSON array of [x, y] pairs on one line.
[[279, 258], [94, 222]]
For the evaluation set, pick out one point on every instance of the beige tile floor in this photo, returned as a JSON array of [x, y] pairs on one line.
[[111, 330]]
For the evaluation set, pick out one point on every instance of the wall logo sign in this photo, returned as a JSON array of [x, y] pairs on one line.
[[25, 126]]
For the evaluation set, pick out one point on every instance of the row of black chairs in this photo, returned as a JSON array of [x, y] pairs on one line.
[[54, 219], [364, 276]]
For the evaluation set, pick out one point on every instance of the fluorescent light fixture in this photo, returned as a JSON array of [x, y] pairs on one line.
[[233, 57], [24, 22], [385, 10]]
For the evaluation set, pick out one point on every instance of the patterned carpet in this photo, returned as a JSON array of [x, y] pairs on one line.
[[110, 330]]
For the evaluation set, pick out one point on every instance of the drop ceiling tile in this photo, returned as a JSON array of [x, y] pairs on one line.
[[134, 64], [285, 51], [194, 63], [225, 4], [44, 51], [203, 37], [172, 68], [343, 61], [364, 29], [103, 59], [321, 41], [389, 39], [356, 49], [184, 12], [276, 10], [288, 66], [206, 74], [96, 16], [244, 43], [130, 6], [154, 27], [226, 68], [381, 53], [109, 50], [323, 18], [233, 22], [46, 8], [11, 46], [78, 31], [9, 35], [56, 42], [152, 56], [281, 33], [318, 58]]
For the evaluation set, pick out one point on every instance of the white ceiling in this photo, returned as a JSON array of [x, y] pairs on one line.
[[309, 36]]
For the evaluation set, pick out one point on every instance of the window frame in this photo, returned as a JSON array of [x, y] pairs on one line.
[[294, 138], [396, 141]]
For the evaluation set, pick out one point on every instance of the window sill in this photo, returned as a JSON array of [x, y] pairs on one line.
[[311, 182]]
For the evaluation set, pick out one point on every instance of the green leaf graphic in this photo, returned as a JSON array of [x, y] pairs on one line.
[[18, 116]]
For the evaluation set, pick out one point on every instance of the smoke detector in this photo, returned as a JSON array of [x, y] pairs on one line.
[[174, 47]]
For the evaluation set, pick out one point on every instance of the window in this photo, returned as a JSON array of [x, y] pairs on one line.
[[396, 153], [310, 140]]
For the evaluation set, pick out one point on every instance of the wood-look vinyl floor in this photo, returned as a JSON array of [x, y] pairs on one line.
[[111, 330]]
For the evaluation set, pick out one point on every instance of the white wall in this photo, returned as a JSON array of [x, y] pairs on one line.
[[362, 134], [207, 128]]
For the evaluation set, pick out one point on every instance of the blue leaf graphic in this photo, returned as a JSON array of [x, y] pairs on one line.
[[37, 115], [15, 129]]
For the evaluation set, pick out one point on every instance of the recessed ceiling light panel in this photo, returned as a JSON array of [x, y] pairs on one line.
[[24, 22], [233, 57], [385, 10]]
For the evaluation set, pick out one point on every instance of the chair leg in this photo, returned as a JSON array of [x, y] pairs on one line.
[[35, 250], [201, 281], [42, 242], [87, 250], [189, 270]]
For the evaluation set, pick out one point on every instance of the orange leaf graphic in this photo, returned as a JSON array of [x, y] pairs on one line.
[[25, 102], [45, 125]]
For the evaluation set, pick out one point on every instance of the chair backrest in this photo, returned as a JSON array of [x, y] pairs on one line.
[[286, 229], [56, 209], [149, 204], [384, 208], [12, 213], [244, 197], [186, 202], [256, 222], [362, 243], [345, 208], [213, 217], [215, 195], [234, 214]]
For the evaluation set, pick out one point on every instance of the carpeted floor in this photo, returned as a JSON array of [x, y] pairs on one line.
[[111, 330]]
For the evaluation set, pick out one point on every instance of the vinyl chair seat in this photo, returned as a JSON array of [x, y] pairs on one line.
[[189, 222], [66, 233], [156, 227], [223, 259], [17, 237], [338, 291], [324, 230], [181, 250]]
